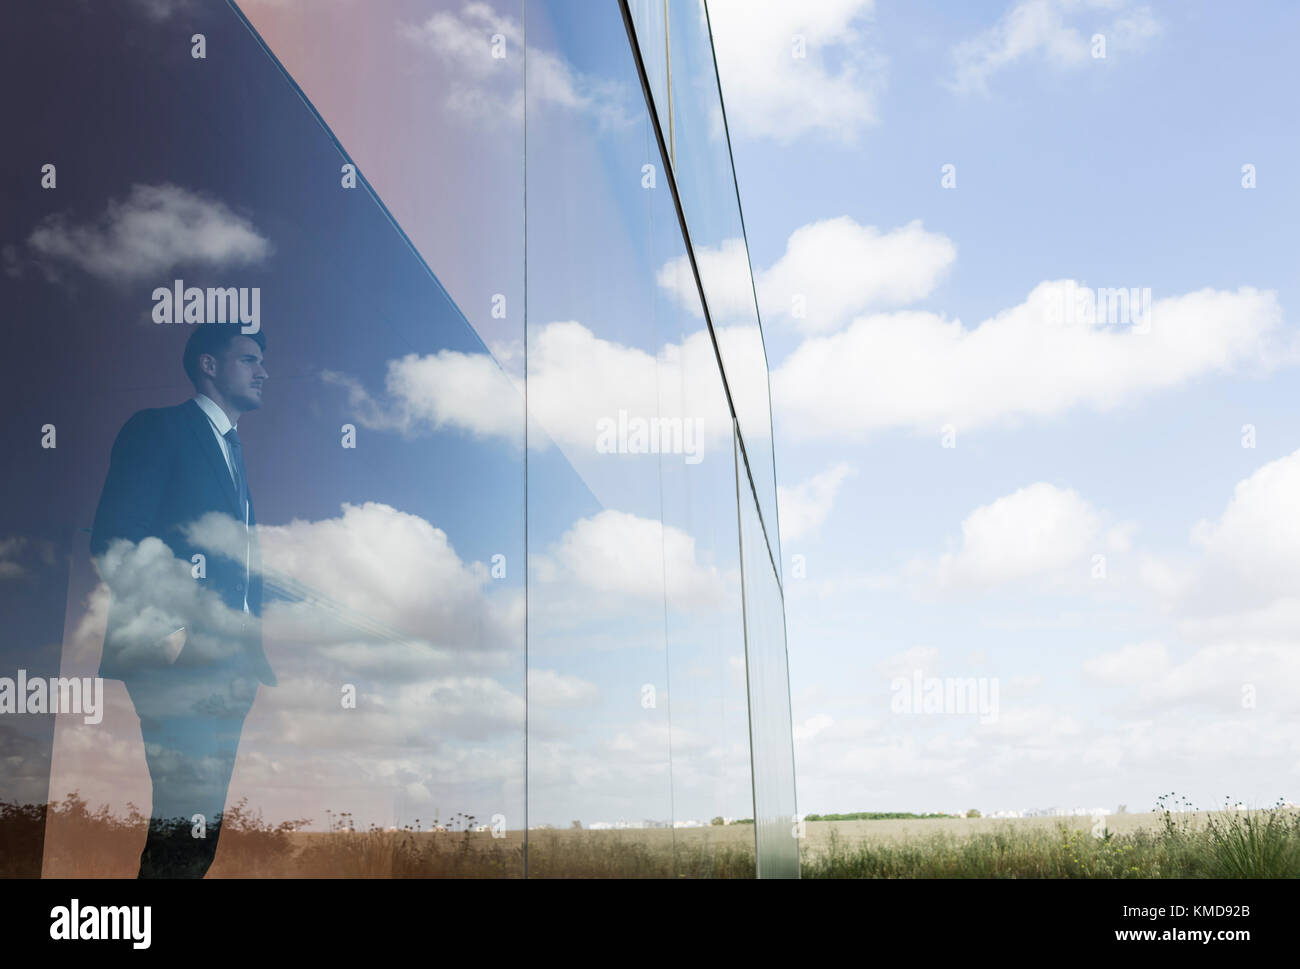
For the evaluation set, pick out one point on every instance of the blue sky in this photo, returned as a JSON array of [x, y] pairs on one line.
[[1117, 172]]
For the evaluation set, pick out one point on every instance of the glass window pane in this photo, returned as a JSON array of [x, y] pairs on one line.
[[383, 548], [599, 780], [707, 185], [769, 702]]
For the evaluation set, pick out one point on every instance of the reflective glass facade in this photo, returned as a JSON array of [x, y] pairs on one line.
[[483, 583]]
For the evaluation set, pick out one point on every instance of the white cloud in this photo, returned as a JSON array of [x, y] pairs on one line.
[[576, 380], [447, 389], [1235, 584], [378, 598], [770, 93], [834, 268], [922, 371], [485, 87], [1059, 32], [157, 228], [156, 595], [1252, 552], [1040, 530], [805, 506], [728, 285], [841, 269], [357, 586], [1217, 714], [369, 573], [625, 556]]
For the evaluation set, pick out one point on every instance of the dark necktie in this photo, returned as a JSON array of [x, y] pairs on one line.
[[241, 481], [241, 489]]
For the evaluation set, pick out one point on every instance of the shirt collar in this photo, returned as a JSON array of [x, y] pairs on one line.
[[215, 414]]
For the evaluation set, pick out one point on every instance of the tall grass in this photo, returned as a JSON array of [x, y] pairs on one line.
[[1246, 844], [69, 838], [1231, 844]]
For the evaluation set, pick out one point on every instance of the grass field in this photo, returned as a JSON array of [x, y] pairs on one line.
[[1161, 844]]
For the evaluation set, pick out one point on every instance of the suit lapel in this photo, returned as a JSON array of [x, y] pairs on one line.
[[201, 427]]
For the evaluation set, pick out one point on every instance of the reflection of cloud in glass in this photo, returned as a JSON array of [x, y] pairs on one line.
[[576, 380], [486, 87], [155, 594], [616, 553], [156, 228], [372, 576], [447, 389]]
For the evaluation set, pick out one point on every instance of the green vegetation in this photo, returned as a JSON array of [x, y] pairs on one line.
[[1245, 844]]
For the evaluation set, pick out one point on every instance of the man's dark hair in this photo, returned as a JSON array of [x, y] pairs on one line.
[[213, 338]]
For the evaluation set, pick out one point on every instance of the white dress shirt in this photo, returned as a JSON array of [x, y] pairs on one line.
[[220, 427]]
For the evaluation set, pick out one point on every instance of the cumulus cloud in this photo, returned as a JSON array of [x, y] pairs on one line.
[[1057, 32], [155, 595], [728, 286], [155, 229], [375, 573], [486, 87], [378, 599], [831, 270], [1234, 582], [805, 506], [448, 389], [1217, 702], [1252, 551], [1232, 596], [1040, 530], [772, 92], [577, 380], [919, 370], [838, 269], [628, 557], [375, 591]]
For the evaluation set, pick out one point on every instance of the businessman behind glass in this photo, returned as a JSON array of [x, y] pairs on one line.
[[175, 540]]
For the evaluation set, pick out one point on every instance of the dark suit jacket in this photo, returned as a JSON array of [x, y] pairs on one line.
[[166, 472]]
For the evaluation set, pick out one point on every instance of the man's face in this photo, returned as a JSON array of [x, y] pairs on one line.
[[240, 373]]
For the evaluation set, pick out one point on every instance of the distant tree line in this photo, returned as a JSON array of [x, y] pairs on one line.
[[874, 816]]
